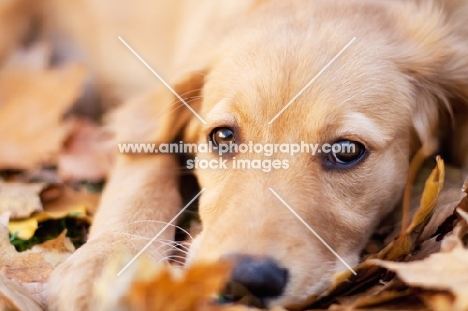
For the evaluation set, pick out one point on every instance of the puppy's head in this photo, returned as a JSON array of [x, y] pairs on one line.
[[288, 227]]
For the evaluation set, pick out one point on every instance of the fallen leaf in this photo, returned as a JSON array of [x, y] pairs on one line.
[[454, 239], [445, 288], [85, 156], [14, 297], [448, 272], [384, 297], [438, 301], [21, 200], [27, 268], [146, 286], [35, 56], [16, 17], [28, 140], [32, 268], [39, 175], [71, 199], [448, 201], [55, 251], [227, 307], [350, 300], [463, 205], [416, 164], [430, 196], [23, 229], [426, 248]]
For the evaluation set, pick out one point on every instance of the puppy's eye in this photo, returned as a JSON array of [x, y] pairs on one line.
[[222, 135], [346, 152]]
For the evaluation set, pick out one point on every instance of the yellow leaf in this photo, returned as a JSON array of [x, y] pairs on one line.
[[25, 229]]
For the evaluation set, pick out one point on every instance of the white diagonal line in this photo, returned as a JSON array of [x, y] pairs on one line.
[[313, 231], [312, 81], [160, 232], [161, 79]]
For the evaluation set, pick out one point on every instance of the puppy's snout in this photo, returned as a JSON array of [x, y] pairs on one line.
[[261, 277]]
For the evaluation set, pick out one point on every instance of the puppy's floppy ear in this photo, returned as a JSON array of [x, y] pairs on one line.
[[159, 116], [186, 113], [432, 50]]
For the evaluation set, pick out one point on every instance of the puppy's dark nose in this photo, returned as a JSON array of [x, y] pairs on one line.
[[261, 277]]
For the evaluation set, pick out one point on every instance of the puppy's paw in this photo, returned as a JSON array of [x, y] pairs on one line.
[[71, 286]]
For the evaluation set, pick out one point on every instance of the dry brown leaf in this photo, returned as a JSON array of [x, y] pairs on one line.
[[449, 197], [14, 297], [383, 297], [433, 273], [438, 301], [145, 286], [16, 17], [27, 268], [448, 201], [454, 239], [55, 251], [32, 105], [441, 271], [213, 307], [430, 196], [32, 268], [21, 200], [462, 213], [35, 56], [463, 205], [426, 248], [169, 292], [70, 199], [85, 156], [415, 165], [39, 175]]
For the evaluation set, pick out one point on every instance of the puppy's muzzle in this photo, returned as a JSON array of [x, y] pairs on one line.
[[255, 279]]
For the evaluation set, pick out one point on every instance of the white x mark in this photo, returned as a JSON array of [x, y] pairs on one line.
[[312, 81], [313, 231], [162, 80], [160, 232]]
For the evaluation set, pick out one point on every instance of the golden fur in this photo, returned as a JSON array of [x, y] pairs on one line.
[[402, 80]]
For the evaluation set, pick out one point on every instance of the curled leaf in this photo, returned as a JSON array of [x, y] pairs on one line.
[[146, 286]]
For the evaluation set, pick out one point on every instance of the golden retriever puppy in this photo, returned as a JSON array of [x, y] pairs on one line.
[[387, 94]]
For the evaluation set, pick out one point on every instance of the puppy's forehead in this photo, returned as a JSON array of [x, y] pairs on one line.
[[361, 91], [350, 98]]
